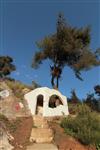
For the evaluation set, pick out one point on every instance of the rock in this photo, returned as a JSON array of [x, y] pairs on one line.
[[4, 86], [10, 105], [4, 93], [4, 141], [6, 107]]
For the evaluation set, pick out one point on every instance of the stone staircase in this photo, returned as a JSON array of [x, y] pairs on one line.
[[41, 132], [40, 122], [44, 146], [41, 135]]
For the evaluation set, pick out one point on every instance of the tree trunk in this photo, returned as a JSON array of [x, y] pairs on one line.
[[52, 81], [57, 82], [55, 86], [55, 73]]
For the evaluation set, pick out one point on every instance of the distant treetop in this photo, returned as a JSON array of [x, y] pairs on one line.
[[6, 66]]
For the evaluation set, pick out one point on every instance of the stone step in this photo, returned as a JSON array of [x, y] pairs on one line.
[[41, 135], [44, 146], [40, 122]]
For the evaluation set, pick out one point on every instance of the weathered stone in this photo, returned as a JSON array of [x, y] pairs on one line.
[[9, 105], [41, 135], [4, 141], [40, 122], [42, 147], [4, 93]]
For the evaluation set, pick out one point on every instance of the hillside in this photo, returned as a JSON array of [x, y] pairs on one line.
[[15, 119]]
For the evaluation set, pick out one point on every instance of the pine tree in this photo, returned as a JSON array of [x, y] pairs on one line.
[[68, 46]]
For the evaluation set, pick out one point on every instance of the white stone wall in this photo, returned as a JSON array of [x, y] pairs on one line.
[[31, 98]]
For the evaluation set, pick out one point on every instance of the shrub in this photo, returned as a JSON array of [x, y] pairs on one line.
[[85, 126], [92, 102], [98, 147], [3, 119], [17, 88], [73, 108]]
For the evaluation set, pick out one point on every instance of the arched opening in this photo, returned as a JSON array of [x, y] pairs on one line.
[[55, 101], [39, 106]]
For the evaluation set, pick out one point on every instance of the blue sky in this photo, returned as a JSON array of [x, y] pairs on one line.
[[23, 22]]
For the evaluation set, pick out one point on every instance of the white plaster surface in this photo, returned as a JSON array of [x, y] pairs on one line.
[[4, 93], [31, 99]]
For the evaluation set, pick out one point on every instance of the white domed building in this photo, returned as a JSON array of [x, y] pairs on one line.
[[47, 102]]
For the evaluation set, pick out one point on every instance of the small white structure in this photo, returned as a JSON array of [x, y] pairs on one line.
[[4, 93], [47, 102]]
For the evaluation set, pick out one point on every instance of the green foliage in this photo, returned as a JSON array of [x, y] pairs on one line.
[[74, 108], [74, 103], [6, 66], [3, 118], [85, 126], [98, 147], [74, 98], [35, 85], [97, 89], [68, 46], [92, 102], [17, 88]]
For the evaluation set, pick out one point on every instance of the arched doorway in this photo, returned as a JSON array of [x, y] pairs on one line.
[[39, 105], [55, 101]]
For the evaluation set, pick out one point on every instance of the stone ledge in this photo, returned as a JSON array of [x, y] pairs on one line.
[[41, 135]]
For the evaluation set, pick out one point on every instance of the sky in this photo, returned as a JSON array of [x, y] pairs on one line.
[[23, 22]]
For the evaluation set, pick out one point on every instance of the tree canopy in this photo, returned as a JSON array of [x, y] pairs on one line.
[[92, 100], [97, 89], [74, 98], [35, 85], [6, 66], [68, 46]]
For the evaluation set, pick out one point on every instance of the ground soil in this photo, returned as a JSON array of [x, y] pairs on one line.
[[64, 142], [22, 133]]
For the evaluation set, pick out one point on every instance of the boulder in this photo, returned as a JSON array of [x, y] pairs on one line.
[[4, 140]]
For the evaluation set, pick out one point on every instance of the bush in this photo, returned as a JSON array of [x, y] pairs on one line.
[[3, 118], [74, 108], [92, 102], [17, 88], [85, 126]]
